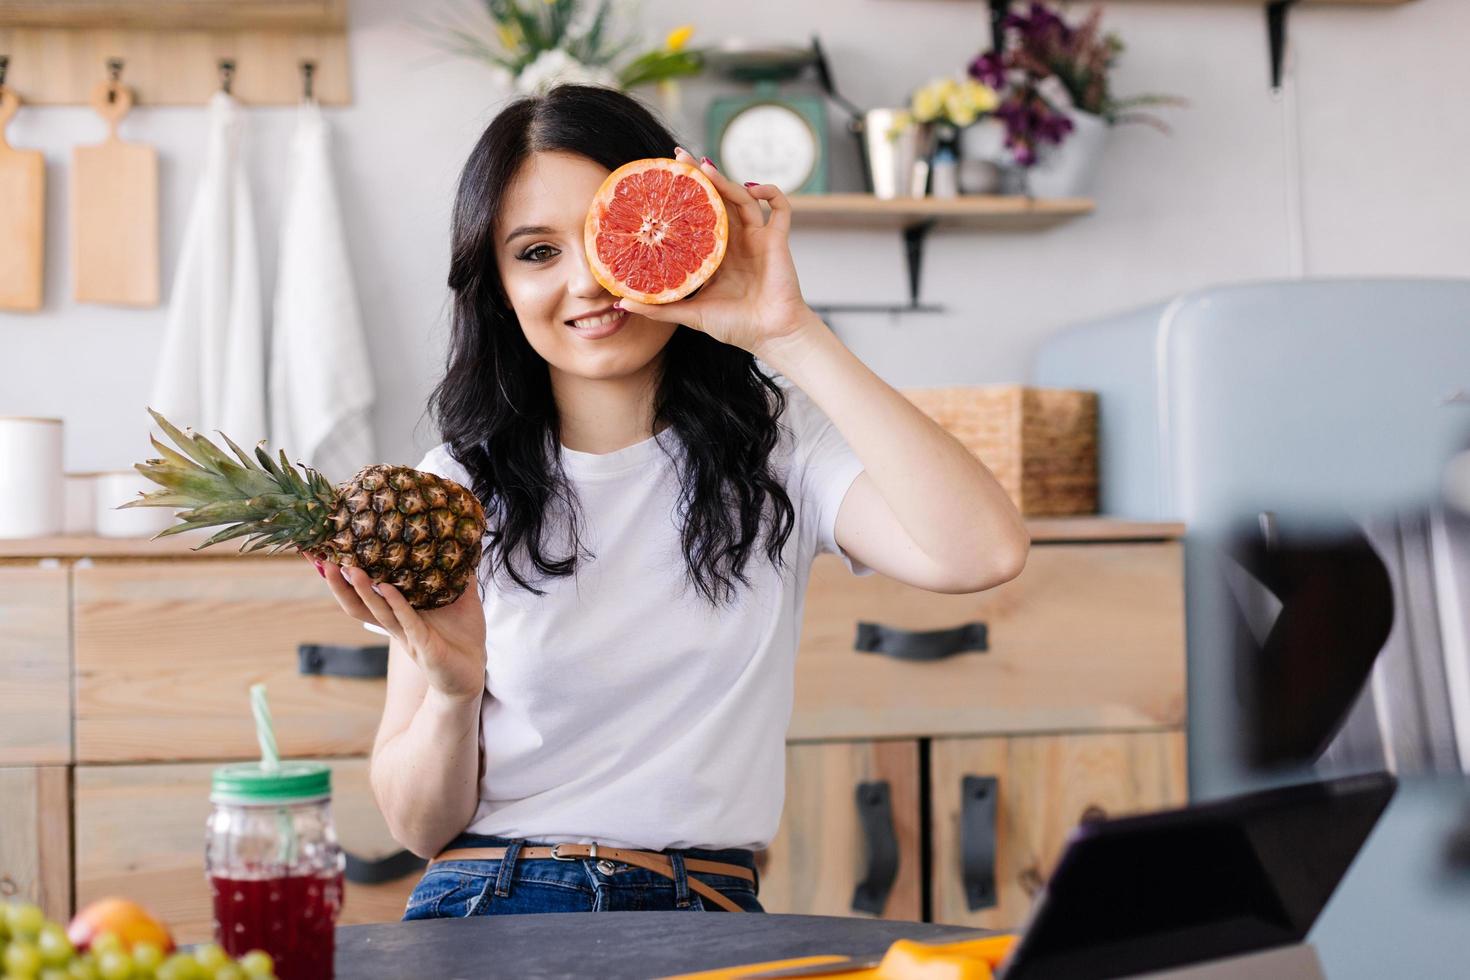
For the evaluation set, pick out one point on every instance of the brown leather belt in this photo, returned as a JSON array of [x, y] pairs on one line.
[[651, 860]]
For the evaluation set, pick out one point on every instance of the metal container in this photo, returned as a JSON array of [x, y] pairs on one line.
[[892, 150]]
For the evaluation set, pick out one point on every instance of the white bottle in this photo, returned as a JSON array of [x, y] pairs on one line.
[[944, 177]]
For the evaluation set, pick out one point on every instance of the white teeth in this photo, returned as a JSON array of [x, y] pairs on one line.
[[598, 321]]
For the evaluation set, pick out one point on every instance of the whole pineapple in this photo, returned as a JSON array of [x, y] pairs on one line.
[[416, 531]]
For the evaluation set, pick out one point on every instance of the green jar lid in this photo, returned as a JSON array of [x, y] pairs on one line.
[[247, 783]]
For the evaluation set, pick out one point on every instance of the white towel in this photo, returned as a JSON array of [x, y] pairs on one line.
[[211, 372], [321, 382]]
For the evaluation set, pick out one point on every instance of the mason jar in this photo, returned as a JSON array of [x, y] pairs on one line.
[[274, 865]]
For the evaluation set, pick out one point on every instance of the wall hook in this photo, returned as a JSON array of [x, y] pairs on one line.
[[226, 75], [308, 70], [114, 77], [1276, 35]]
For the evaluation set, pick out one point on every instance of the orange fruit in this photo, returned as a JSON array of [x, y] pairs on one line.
[[127, 920], [656, 230]]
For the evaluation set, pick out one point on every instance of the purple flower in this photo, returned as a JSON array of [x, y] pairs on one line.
[[989, 69]]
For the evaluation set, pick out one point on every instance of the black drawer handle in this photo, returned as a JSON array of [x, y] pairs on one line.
[[920, 644], [977, 840], [338, 661], [361, 871], [875, 813]]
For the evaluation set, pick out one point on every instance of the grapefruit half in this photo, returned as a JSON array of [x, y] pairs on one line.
[[656, 231]]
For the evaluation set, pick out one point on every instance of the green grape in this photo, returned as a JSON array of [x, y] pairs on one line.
[[179, 966], [115, 965], [25, 919], [229, 971], [22, 959], [258, 964], [147, 956], [56, 949], [106, 942], [211, 956], [84, 968]]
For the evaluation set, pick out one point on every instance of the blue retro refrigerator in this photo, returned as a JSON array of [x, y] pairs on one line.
[[1296, 403]]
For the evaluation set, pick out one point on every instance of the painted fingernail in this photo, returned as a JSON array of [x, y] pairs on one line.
[[377, 590], [708, 161], [751, 183], [678, 150], [344, 573], [618, 305], [320, 570]]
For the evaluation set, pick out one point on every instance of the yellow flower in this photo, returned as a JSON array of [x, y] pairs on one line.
[[509, 34], [958, 110], [901, 120], [982, 97], [678, 37], [928, 103]]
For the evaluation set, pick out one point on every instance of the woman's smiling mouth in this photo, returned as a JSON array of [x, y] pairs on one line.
[[597, 327]]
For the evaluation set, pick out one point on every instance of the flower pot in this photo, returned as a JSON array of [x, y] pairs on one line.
[[983, 156], [1068, 169]]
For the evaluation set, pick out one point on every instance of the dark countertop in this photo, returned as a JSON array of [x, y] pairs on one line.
[[606, 945]]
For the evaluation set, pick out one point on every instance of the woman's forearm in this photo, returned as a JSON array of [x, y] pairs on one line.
[[426, 778]]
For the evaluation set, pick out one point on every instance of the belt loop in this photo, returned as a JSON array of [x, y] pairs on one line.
[[507, 868], [681, 880]]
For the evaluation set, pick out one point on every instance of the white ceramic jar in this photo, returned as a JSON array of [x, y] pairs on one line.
[[32, 486], [116, 488]]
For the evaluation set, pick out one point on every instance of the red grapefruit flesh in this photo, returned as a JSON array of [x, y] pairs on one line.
[[656, 231]]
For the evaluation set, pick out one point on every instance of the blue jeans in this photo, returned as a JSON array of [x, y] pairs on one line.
[[458, 889]]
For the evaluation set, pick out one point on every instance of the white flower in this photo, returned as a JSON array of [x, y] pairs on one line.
[[554, 67]]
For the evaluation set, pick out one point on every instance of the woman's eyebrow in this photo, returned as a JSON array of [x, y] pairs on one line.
[[529, 230]]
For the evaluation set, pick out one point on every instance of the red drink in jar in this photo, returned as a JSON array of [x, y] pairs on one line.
[[275, 867]]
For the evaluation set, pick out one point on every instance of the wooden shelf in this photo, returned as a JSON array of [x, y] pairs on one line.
[[1090, 528], [969, 211], [212, 15]]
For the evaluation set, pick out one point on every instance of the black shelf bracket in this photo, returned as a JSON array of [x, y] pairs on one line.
[[1276, 12], [998, 11], [914, 236]]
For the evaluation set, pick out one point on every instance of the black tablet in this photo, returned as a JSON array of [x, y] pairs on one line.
[[1217, 879]]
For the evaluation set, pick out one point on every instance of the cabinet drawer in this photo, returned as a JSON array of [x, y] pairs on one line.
[[35, 838], [1043, 786], [822, 851], [1089, 636], [166, 652], [35, 665], [140, 833]]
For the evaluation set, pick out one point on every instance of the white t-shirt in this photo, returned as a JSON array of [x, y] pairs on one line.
[[621, 708]]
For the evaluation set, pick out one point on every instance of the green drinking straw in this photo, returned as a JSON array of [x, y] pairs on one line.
[[270, 761]]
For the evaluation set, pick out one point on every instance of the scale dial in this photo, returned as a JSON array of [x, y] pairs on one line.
[[770, 143]]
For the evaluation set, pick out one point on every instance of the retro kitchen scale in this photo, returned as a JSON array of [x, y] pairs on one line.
[[767, 134]]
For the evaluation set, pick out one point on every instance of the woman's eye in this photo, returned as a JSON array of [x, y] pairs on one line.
[[530, 254]]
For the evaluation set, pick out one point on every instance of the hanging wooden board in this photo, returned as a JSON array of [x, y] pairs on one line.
[[114, 216], [22, 218]]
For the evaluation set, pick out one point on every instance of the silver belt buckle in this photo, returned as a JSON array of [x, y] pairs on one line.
[[556, 853]]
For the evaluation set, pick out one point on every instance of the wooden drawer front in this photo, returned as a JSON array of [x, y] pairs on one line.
[[35, 665], [35, 838], [166, 652], [1045, 785], [140, 833], [1089, 636], [821, 852]]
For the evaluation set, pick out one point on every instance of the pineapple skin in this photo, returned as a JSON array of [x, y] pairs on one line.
[[416, 531]]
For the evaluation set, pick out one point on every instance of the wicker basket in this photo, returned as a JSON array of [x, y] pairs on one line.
[[1041, 443]]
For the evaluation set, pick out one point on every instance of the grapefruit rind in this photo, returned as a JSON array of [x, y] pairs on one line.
[[593, 228]]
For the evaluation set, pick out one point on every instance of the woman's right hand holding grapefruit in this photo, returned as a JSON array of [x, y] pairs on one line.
[[448, 643]]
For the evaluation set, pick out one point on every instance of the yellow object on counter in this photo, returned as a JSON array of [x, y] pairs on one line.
[[906, 959]]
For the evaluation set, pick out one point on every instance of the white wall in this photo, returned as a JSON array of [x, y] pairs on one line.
[[1377, 111]]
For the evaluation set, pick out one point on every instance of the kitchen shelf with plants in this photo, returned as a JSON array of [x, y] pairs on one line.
[[917, 216]]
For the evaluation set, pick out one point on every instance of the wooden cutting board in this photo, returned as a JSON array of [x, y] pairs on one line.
[[114, 216], [22, 218]]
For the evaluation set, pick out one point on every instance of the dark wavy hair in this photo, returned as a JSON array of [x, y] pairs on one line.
[[494, 405]]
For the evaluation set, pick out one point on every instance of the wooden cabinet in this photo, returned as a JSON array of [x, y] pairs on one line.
[[35, 837], [1017, 799], [1061, 691], [166, 652], [852, 813], [35, 664], [140, 833]]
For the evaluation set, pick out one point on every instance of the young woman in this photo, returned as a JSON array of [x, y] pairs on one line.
[[603, 727]]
